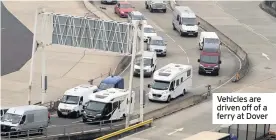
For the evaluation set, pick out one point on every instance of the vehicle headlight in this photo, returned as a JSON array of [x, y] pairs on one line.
[[164, 50], [216, 66], [201, 65], [122, 12], [14, 128], [98, 115]]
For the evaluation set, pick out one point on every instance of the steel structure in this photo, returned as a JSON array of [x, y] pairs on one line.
[[92, 33]]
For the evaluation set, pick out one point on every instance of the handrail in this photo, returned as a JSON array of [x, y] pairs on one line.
[[125, 130]]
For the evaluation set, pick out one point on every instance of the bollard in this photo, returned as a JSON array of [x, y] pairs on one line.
[[208, 90], [64, 131]]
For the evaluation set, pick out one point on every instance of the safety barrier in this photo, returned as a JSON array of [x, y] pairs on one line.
[[147, 122], [269, 7], [247, 131]]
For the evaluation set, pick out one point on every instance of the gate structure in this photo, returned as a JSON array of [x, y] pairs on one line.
[[92, 33]]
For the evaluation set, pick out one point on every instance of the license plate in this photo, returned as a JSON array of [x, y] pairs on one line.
[[191, 34], [208, 72], [65, 113]]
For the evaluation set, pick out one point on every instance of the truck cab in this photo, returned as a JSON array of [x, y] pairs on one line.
[[111, 82], [209, 63]]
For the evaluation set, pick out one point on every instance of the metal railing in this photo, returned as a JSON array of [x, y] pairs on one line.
[[247, 131], [65, 130]]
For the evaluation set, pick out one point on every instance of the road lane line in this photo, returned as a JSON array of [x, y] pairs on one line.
[[76, 121], [245, 25], [176, 130], [170, 37], [185, 53]]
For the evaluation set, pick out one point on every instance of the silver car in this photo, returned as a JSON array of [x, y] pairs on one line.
[[157, 44]]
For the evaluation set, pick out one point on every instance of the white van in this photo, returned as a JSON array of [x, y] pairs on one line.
[[150, 62], [135, 16], [148, 32], [73, 100], [23, 118], [170, 82], [110, 104], [184, 21], [208, 38]]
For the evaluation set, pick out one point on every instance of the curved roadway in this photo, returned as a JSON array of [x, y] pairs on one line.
[[251, 28], [182, 50]]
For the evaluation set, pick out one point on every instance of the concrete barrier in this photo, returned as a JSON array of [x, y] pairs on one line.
[[267, 6], [244, 68]]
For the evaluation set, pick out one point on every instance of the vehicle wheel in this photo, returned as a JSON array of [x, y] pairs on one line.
[[174, 27], [217, 74], [77, 115], [169, 99], [40, 130], [199, 73], [151, 10], [84, 120], [165, 10], [154, 69], [150, 100], [184, 92], [59, 114], [196, 34], [147, 7], [180, 33]]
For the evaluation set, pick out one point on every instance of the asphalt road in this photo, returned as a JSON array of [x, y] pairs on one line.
[[16, 42], [183, 50], [255, 31]]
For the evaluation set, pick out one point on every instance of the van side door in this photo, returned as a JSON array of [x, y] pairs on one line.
[[172, 89]]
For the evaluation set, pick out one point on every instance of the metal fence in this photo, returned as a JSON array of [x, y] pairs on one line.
[[65, 130], [247, 131]]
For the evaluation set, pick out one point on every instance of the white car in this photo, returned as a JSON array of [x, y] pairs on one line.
[[149, 31]]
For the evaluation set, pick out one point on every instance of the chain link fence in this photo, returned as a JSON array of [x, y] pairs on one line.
[[247, 131]]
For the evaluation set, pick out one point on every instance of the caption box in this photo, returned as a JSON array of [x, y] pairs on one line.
[[244, 108]]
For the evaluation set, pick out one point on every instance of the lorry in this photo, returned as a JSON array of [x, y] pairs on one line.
[[72, 102], [108, 105], [156, 5], [24, 118]]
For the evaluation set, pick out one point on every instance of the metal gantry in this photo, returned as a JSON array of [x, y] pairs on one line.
[[92, 33]]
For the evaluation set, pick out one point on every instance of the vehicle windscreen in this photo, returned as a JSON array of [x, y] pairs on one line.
[[125, 6], [13, 118], [105, 86], [160, 85], [69, 99], [147, 61], [95, 106], [138, 17], [149, 30], [211, 41], [211, 49], [189, 21], [157, 42], [209, 59]]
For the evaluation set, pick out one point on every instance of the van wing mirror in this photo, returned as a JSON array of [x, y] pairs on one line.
[[179, 22], [172, 89], [149, 86], [219, 61], [198, 23], [198, 60], [220, 43]]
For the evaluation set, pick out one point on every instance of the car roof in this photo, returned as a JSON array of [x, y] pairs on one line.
[[112, 79], [136, 13], [156, 38], [210, 34], [148, 26]]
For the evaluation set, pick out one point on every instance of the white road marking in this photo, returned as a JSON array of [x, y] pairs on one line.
[[170, 37], [52, 126], [185, 53], [176, 130], [266, 56], [77, 121], [245, 25], [2, 28]]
